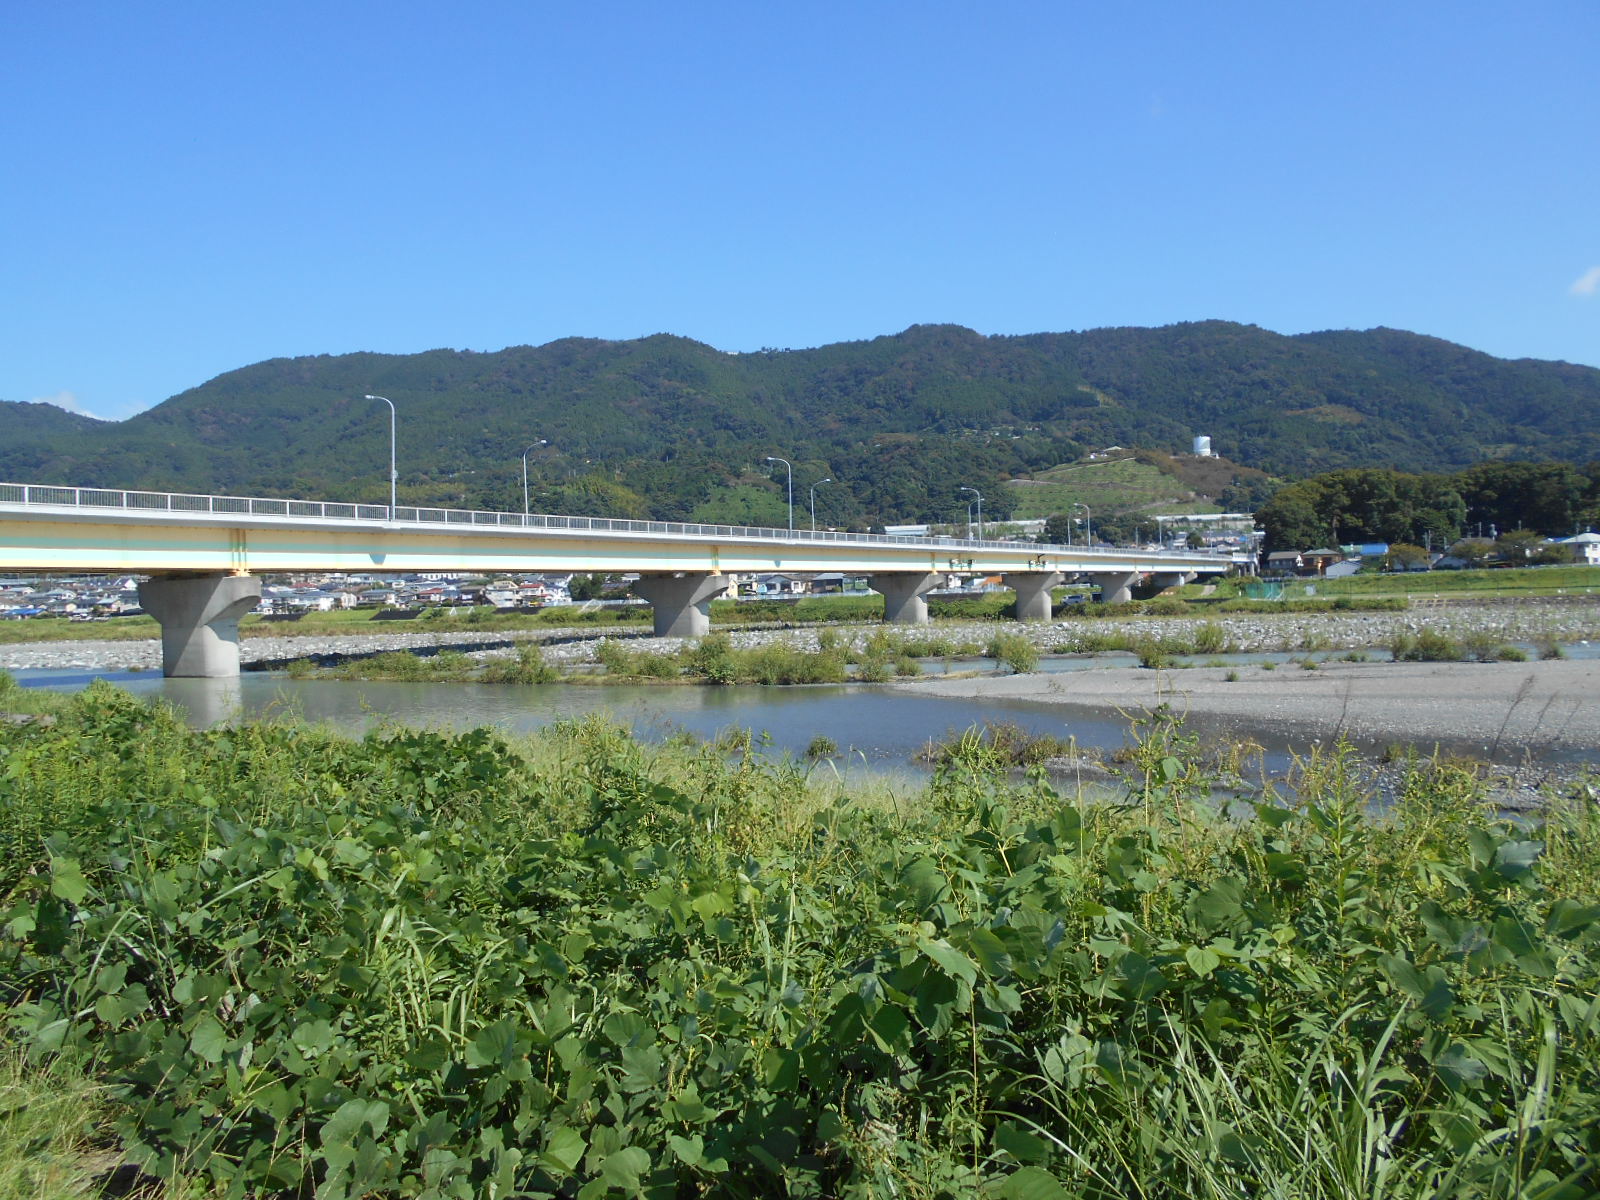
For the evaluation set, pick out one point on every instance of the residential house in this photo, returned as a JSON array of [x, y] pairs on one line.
[[1584, 548]]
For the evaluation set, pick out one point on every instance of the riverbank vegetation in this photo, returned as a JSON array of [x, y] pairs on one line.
[[1400, 586], [442, 964]]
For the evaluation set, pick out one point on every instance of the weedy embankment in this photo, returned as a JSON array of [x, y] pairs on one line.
[[432, 964]]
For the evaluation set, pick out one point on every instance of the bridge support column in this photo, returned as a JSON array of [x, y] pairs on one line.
[[681, 604], [1033, 593], [1116, 588], [1162, 580], [903, 602], [199, 617]]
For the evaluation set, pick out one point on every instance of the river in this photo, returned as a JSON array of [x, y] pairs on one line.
[[877, 728]]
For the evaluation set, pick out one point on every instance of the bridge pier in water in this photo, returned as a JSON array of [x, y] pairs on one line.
[[1116, 588], [1033, 593], [681, 603], [903, 593], [199, 618]]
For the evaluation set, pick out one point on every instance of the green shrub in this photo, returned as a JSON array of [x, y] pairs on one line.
[[626, 662], [874, 670], [1015, 650], [822, 746], [528, 667], [1426, 645]]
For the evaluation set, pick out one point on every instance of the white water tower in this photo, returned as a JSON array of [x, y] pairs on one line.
[[1202, 447]]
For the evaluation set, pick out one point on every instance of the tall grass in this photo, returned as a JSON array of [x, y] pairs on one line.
[[427, 960]]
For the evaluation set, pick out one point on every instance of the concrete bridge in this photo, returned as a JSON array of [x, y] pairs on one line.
[[204, 556]]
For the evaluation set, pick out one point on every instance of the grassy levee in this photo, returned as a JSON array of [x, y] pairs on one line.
[[1481, 584], [442, 964]]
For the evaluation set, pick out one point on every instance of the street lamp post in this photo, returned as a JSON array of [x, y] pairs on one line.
[[979, 495], [1088, 523], [393, 474], [787, 463], [814, 488], [525, 453]]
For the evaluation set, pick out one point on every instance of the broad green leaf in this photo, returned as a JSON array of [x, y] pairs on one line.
[[689, 1150], [1202, 960], [949, 960], [312, 1037], [1569, 916], [209, 1041], [625, 1168], [1141, 979], [352, 1118], [1030, 1183], [67, 881], [1020, 1144], [1515, 860], [1457, 1069], [563, 1148], [990, 953]]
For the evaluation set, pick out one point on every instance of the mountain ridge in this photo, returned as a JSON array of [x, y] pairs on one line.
[[668, 426]]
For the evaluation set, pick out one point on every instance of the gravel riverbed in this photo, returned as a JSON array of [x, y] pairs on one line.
[[1571, 621]]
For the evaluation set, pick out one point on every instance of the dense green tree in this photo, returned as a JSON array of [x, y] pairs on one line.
[[1058, 529], [1363, 504], [1546, 496], [1403, 556], [1474, 551]]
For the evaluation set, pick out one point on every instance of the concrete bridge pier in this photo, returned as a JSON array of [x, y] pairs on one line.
[[903, 592], [1116, 588], [199, 618], [1033, 593], [1162, 580], [681, 603]]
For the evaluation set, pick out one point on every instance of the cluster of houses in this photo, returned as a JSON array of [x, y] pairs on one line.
[[94, 598], [1331, 563], [78, 600], [411, 592]]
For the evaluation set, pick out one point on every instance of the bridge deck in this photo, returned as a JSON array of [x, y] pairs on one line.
[[64, 529]]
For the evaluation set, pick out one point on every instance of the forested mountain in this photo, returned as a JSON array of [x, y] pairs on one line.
[[672, 428]]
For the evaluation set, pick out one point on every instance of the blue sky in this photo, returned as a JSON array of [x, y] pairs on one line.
[[190, 188]]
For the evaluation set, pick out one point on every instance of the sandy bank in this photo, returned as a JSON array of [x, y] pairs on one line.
[[1504, 709]]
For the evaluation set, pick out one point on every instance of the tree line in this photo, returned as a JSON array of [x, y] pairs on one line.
[[1483, 502]]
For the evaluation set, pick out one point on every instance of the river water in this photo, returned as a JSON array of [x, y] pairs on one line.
[[874, 727]]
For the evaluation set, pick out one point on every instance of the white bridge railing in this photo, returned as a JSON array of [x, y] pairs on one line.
[[53, 496]]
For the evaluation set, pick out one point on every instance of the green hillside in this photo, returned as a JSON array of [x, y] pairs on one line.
[[1120, 484], [669, 427]]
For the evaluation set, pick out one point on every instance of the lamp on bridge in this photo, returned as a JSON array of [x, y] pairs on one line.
[[979, 495], [787, 463], [814, 488], [1088, 523], [393, 474], [525, 453]]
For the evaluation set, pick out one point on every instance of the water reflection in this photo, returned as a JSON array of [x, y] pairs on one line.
[[871, 725]]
